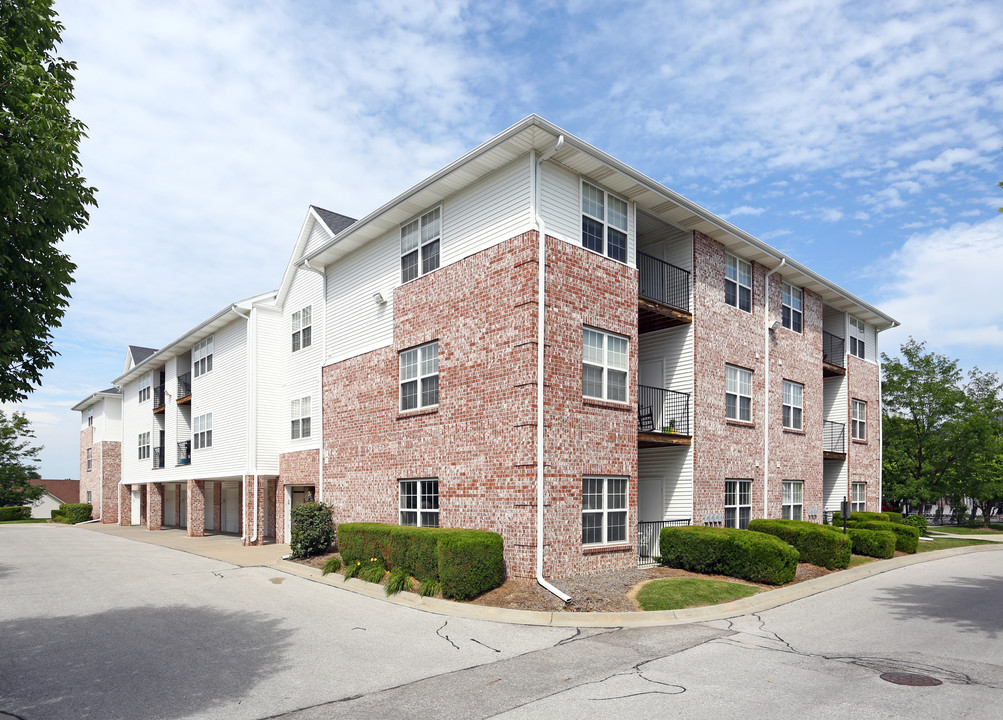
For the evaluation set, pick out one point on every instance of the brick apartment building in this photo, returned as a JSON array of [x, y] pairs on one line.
[[688, 372]]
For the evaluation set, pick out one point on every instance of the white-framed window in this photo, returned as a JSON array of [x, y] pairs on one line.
[[792, 307], [858, 497], [858, 331], [858, 429], [202, 357], [604, 222], [145, 383], [90, 418], [419, 502], [144, 445], [793, 500], [420, 240], [302, 328], [89, 496], [737, 282], [419, 377], [299, 412], [793, 405], [604, 510], [89, 459], [605, 359], [737, 503], [738, 393], [202, 431]]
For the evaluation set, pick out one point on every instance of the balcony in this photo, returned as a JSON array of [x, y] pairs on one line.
[[185, 389], [185, 452], [833, 355], [663, 294], [833, 440], [158, 457], [158, 399], [663, 417]]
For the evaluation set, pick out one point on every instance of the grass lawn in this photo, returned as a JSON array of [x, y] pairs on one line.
[[945, 543], [994, 530], [860, 560], [677, 593], [22, 522]]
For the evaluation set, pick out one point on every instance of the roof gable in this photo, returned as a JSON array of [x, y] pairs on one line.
[[331, 225]]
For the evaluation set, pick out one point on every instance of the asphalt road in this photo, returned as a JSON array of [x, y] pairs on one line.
[[96, 626]]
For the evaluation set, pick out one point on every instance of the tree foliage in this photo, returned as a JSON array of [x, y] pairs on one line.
[[42, 194], [18, 461]]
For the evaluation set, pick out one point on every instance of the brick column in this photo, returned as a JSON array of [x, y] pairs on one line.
[[248, 506], [125, 506], [154, 506], [196, 508]]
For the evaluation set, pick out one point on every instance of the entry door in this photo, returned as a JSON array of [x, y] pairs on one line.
[[170, 504], [231, 508], [652, 375], [137, 501], [210, 507], [183, 506]]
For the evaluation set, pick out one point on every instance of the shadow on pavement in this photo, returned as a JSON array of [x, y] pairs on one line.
[[167, 662], [970, 605]]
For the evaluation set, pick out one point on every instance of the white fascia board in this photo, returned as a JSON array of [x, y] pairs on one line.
[[93, 399], [312, 217]]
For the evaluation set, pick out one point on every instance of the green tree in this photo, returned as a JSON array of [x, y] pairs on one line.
[[18, 461], [42, 194]]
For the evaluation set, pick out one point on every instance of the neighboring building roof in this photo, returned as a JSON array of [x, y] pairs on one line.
[[336, 222], [112, 392], [67, 491]]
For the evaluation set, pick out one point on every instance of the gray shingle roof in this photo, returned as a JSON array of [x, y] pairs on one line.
[[335, 221], [139, 354]]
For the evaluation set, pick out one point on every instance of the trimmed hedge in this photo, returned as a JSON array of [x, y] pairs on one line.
[[313, 530], [75, 512], [466, 563], [872, 543], [814, 543], [18, 512], [906, 536], [860, 516], [893, 516], [743, 554]]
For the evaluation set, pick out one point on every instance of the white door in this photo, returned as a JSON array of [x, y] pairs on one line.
[[651, 375], [210, 507], [137, 502], [230, 509], [183, 507], [170, 504]]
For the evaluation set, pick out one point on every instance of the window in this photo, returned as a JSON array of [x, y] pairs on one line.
[[144, 387], [89, 496], [419, 503], [90, 418], [737, 282], [858, 497], [604, 223], [144, 445], [738, 393], [202, 431], [300, 414], [857, 335], [202, 357], [420, 245], [302, 330], [792, 307], [793, 500], [604, 365], [420, 377], [793, 405], [859, 428], [604, 510], [737, 503], [88, 459]]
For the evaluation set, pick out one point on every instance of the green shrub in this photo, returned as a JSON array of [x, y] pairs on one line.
[[399, 581], [917, 521], [57, 516], [738, 553], [76, 512], [906, 536], [313, 530], [429, 588], [373, 572], [872, 543], [860, 516], [415, 550], [893, 516], [357, 542], [18, 512], [332, 565], [471, 562], [814, 543]]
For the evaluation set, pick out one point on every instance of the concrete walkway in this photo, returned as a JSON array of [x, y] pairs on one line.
[[227, 548]]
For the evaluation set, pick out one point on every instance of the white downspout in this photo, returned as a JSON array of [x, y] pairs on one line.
[[323, 356], [251, 464], [766, 423], [536, 179]]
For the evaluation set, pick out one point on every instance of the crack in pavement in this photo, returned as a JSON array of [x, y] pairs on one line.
[[446, 637]]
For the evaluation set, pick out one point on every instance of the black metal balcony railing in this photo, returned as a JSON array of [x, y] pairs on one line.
[[185, 452], [663, 411], [833, 437], [833, 349], [158, 397], [648, 536], [158, 457], [184, 385], [663, 282]]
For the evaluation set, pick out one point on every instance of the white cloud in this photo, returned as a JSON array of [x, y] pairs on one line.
[[744, 210]]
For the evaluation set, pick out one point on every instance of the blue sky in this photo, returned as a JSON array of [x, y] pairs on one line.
[[862, 138]]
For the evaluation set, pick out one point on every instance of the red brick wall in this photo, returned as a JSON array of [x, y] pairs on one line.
[[864, 458], [480, 440], [247, 515], [295, 468], [111, 474], [196, 508], [90, 480], [154, 506]]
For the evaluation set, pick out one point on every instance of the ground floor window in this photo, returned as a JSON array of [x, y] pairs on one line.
[[419, 502], [737, 503], [793, 500], [859, 497], [604, 510]]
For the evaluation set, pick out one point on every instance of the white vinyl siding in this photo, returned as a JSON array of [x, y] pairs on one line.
[[272, 350], [318, 237], [834, 479], [670, 469], [675, 347], [300, 370], [835, 400]]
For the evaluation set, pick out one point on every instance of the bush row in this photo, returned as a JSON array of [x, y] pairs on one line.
[[20, 512], [72, 513], [872, 543], [906, 536], [744, 554], [861, 516], [466, 563], [814, 543]]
